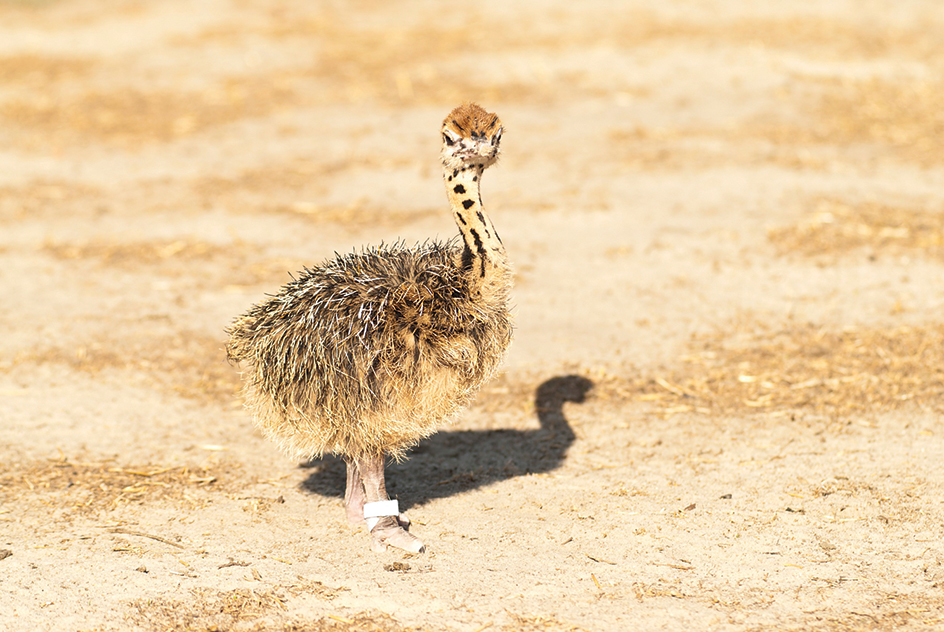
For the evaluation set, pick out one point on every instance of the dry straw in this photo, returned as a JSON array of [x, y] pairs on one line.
[[93, 487], [800, 368], [836, 227]]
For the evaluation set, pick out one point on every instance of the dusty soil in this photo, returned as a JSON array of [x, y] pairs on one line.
[[722, 409]]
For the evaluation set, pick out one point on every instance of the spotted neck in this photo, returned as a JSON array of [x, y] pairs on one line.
[[484, 252]]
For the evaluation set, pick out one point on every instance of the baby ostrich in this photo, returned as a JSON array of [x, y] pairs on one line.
[[372, 351]]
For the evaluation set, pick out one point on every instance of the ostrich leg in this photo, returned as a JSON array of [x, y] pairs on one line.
[[354, 493], [389, 530]]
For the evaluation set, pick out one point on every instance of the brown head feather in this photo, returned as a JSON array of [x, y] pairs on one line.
[[471, 120]]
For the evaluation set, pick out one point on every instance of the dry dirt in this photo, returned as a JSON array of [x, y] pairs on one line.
[[722, 409]]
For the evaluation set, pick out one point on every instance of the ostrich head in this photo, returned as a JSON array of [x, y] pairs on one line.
[[471, 137]]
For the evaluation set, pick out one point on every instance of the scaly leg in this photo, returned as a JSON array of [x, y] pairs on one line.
[[354, 493], [389, 530]]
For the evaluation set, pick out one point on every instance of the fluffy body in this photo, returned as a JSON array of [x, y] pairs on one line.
[[370, 352]]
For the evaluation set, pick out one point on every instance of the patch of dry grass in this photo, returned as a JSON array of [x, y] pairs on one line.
[[291, 187], [836, 228], [799, 368], [407, 63], [62, 14], [192, 263], [363, 622], [455, 32], [261, 610], [829, 37], [857, 371], [129, 116], [903, 116], [185, 363], [830, 120], [415, 64], [389, 62], [705, 147], [889, 612], [35, 70], [83, 488], [840, 120], [147, 253], [873, 119], [43, 196], [533, 623]]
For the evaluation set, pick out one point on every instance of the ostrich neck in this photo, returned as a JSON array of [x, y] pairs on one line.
[[484, 252]]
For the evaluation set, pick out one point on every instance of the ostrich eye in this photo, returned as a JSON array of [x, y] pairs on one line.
[[449, 138]]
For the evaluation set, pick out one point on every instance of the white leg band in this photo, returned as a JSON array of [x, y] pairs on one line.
[[374, 511]]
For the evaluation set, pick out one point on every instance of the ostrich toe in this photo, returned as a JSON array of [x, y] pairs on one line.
[[391, 532]]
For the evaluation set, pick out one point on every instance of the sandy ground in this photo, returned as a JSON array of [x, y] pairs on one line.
[[722, 409]]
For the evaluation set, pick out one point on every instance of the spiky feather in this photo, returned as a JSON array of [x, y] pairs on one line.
[[370, 352]]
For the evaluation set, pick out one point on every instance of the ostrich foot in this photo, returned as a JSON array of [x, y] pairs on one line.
[[387, 526], [392, 531]]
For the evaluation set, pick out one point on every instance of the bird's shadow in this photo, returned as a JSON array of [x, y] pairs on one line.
[[452, 462]]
